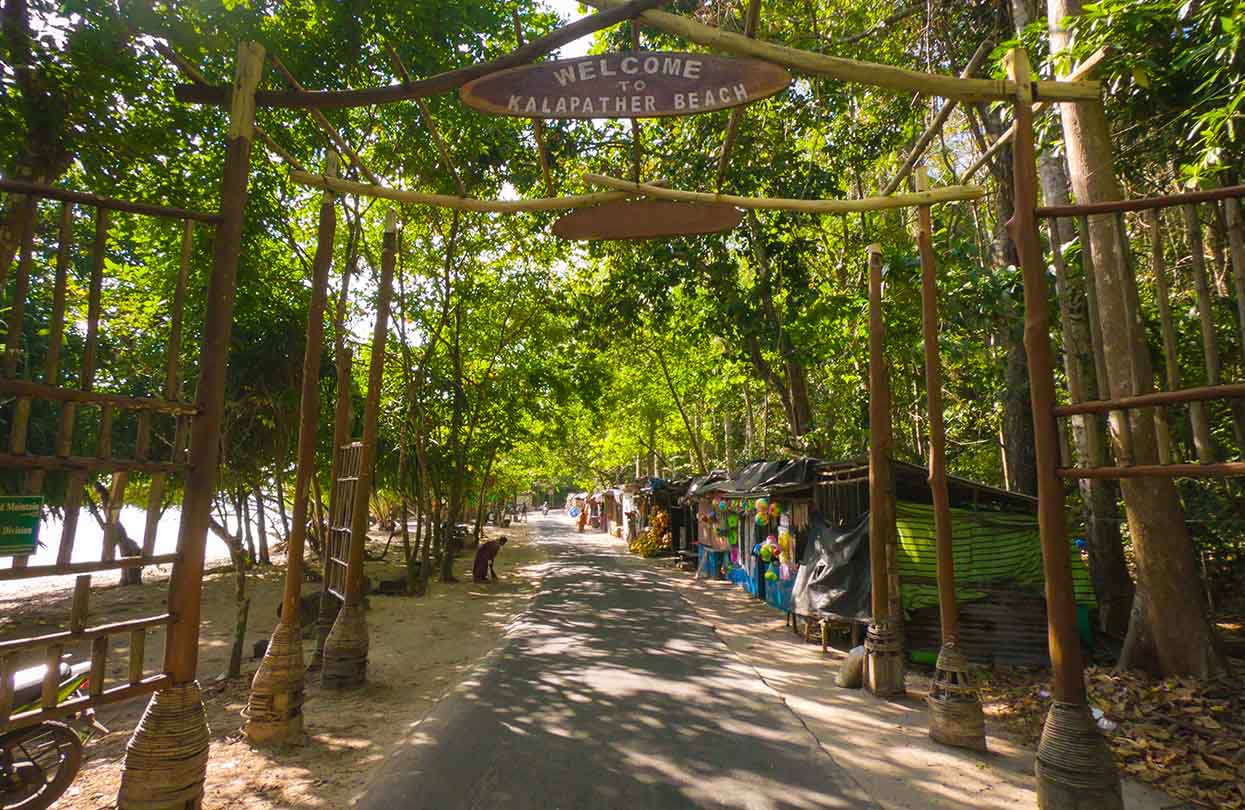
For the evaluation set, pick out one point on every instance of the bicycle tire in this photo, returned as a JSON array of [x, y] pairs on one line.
[[69, 748]]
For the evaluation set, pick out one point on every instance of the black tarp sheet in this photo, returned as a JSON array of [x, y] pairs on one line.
[[833, 580]]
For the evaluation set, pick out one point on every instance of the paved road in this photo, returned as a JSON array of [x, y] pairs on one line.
[[610, 693]]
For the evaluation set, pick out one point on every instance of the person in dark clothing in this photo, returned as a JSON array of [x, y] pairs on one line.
[[482, 569]]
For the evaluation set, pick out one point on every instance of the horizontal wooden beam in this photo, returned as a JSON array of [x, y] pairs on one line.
[[22, 388], [76, 706], [69, 637], [850, 70], [1220, 470], [1233, 391], [36, 571], [938, 195], [112, 204], [1142, 204], [446, 201], [431, 86], [87, 464]]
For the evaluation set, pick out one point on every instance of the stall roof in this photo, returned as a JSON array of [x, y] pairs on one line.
[[912, 484], [763, 478]]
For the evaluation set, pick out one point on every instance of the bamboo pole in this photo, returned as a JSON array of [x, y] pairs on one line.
[[371, 412], [182, 646], [888, 77], [1236, 245], [275, 703], [346, 648], [935, 127], [458, 203], [883, 656], [931, 197], [156, 773], [309, 406], [956, 716], [17, 310], [1065, 650]]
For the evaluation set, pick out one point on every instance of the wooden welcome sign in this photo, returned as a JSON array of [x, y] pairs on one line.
[[646, 219], [641, 84]]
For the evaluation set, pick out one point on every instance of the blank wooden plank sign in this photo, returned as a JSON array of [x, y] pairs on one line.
[[646, 219]]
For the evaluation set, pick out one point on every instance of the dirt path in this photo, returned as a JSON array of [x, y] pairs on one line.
[[419, 649]]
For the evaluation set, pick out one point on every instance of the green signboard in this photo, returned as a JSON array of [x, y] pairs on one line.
[[19, 524]]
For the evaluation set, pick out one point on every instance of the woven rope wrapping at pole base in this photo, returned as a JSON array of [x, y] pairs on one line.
[[884, 668], [955, 715], [166, 759], [1074, 767], [274, 712], [345, 650], [327, 615]]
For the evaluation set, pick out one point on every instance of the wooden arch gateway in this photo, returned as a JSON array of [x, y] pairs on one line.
[[163, 770]]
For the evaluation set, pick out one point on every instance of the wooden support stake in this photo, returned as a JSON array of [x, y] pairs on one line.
[[1065, 649], [309, 405], [947, 610], [52, 677], [881, 481], [1203, 440], [1236, 244], [17, 312], [185, 587], [138, 649], [99, 664], [371, 414], [81, 610]]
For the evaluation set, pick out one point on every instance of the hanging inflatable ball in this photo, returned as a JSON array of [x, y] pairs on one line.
[[771, 540], [774, 510], [770, 576], [767, 553], [732, 520]]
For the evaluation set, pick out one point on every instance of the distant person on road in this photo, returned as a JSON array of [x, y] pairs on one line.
[[583, 518], [524, 519], [482, 569]]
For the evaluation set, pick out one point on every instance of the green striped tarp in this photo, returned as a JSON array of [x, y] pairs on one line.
[[991, 550]]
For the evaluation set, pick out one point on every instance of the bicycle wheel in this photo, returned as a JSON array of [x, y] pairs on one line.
[[43, 762]]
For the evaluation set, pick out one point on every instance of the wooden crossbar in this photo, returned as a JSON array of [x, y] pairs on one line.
[[63, 636], [76, 706], [1219, 470], [87, 464], [1231, 391], [23, 388], [1142, 204], [111, 203], [35, 571]]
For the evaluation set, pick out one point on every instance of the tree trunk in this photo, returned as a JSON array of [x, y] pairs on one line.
[[285, 518], [1167, 571], [262, 528], [237, 556], [1108, 568]]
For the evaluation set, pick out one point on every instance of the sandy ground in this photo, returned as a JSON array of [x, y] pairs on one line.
[[884, 744], [420, 648]]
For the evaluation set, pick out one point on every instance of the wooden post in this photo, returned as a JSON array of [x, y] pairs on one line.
[[274, 709], [884, 670], [345, 649], [166, 759], [955, 715], [1074, 767], [1171, 359], [1203, 441]]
